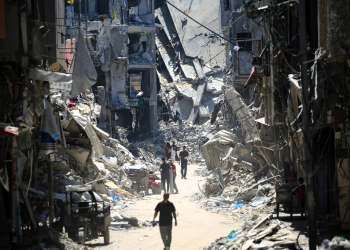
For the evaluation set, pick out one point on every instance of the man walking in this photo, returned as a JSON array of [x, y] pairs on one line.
[[183, 158], [164, 169], [167, 212]]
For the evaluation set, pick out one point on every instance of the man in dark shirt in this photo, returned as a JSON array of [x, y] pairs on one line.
[[164, 169], [167, 212], [183, 158]]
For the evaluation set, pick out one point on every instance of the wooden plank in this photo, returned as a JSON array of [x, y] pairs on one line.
[[268, 217]]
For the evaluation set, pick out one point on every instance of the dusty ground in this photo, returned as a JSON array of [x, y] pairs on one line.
[[196, 228]]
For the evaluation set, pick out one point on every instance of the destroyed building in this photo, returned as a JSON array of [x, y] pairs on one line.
[[257, 90], [297, 122], [52, 53], [195, 55], [120, 38]]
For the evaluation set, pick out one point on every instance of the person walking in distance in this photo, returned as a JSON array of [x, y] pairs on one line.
[[168, 150], [164, 169], [173, 168], [183, 159], [174, 151], [167, 212]]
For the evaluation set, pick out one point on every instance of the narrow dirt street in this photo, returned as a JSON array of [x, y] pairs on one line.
[[196, 228]]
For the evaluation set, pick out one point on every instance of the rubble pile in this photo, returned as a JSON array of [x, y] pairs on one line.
[[257, 233], [235, 201], [118, 171], [338, 242]]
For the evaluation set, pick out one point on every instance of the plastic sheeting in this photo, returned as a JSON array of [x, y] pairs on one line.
[[84, 72]]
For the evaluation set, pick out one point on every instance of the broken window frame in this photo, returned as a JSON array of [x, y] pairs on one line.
[[238, 64], [245, 37]]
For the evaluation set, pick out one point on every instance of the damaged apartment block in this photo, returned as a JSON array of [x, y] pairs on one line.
[[195, 58], [124, 55]]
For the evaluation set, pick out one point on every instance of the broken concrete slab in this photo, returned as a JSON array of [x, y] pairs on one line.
[[192, 36], [168, 61], [218, 147], [164, 18], [186, 91], [197, 99], [188, 70], [242, 111], [193, 115], [215, 83], [199, 69]]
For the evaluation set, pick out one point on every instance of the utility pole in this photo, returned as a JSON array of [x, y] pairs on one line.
[[308, 162], [51, 195]]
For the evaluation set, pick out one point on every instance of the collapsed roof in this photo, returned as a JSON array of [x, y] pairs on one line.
[[193, 58]]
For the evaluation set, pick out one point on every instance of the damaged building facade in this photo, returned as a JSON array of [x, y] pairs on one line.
[[296, 123], [52, 54], [120, 37], [268, 83]]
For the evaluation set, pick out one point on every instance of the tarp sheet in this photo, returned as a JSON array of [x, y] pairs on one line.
[[84, 72]]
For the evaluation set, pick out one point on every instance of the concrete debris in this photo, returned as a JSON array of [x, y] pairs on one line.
[[257, 232], [338, 242], [246, 119], [110, 138], [182, 56]]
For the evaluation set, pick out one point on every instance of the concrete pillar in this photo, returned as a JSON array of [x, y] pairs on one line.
[[108, 97]]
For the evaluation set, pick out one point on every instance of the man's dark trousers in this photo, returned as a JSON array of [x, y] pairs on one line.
[[167, 184], [165, 233], [183, 169]]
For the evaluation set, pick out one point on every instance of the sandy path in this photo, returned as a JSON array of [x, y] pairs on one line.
[[196, 228]]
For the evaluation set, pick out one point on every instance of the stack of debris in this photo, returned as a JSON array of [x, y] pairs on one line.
[[257, 233], [236, 201], [80, 153]]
